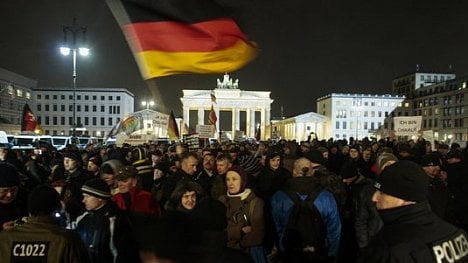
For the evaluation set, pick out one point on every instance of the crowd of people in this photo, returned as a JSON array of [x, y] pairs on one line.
[[313, 201]]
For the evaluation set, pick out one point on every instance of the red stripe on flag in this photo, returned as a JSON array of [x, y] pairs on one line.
[[172, 36]]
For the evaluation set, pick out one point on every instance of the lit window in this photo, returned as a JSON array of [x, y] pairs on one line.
[[28, 95], [19, 93]]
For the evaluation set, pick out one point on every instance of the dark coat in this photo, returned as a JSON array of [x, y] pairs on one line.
[[367, 222], [413, 233], [242, 212], [95, 231], [441, 199], [74, 205], [270, 181], [457, 182]]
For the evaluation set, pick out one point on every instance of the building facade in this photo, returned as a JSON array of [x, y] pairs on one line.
[[15, 91], [299, 127], [97, 110], [355, 115], [443, 109], [407, 85]]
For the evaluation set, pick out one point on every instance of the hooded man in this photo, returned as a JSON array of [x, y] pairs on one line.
[[411, 231]]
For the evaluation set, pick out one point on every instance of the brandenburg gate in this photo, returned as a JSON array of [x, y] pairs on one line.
[[228, 97]]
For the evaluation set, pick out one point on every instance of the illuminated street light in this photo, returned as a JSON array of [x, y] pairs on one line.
[[148, 104], [73, 47]]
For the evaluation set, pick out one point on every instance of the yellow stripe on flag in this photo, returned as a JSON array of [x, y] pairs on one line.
[[157, 63]]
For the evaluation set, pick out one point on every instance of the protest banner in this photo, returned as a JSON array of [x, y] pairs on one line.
[[407, 126]]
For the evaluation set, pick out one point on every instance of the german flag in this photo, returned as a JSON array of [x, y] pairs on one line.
[[171, 37], [29, 121], [212, 119], [172, 129]]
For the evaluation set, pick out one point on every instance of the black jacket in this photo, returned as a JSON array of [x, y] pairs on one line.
[[413, 233], [367, 222], [103, 245]]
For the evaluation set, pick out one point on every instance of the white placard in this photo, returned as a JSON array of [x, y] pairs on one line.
[[407, 126], [205, 131]]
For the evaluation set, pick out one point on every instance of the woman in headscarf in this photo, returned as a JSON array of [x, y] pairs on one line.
[[246, 226]]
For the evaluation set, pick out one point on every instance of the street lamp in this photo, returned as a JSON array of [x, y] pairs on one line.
[[148, 104], [73, 48], [357, 105]]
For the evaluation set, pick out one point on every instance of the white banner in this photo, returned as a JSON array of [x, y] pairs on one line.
[[407, 126], [205, 131]]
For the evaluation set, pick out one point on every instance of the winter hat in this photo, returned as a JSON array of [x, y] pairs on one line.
[[315, 156], [8, 175], [243, 175], [74, 155], [111, 166], [404, 179], [322, 149], [126, 172], [107, 169], [97, 188], [443, 146], [97, 160], [43, 200], [454, 154], [137, 154], [404, 147], [273, 152], [431, 159], [249, 164], [384, 158], [349, 170]]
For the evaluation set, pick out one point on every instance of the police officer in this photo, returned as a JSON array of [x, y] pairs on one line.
[[40, 238], [411, 231]]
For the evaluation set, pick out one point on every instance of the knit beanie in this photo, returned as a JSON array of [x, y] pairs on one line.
[[137, 154], [431, 159], [111, 166], [97, 188], [249, 164], [273, 152], [74, 155], [454, 154], [8, 175], [97, 160], [384, 158], [315, 156], [243, 175], [349, 170], [126, 172], [405, 180]]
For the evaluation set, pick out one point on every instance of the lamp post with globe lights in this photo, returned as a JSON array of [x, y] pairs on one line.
[[148, 104], [74, 48]]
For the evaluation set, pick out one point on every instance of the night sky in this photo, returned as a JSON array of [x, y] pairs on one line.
[[308, 48]]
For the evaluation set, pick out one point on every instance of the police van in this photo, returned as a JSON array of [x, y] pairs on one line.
[[27, 142]]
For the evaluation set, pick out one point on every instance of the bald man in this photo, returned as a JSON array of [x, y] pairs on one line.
[[304, 187]]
